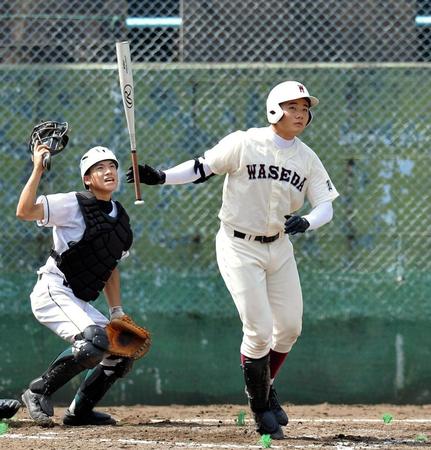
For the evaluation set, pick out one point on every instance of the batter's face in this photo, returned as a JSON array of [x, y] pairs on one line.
[[295, 118], [102, 179]]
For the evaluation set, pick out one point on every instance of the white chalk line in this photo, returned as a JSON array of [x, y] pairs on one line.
[[163, 444], [198, 420], [52, 436], [201, 421]]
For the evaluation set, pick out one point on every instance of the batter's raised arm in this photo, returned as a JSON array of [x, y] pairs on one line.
[[192, 171]]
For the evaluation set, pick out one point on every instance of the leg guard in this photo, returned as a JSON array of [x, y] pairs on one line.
[[37, 397], [276, 408], [257, 381], [86, 352], [97, 383], [60, 371], [90, 346]]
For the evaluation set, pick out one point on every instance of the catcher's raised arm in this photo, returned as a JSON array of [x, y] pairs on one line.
[[27, 209], [47, 139]]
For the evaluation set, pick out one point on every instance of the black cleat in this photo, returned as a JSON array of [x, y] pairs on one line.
[[39, 407], [266, 423], [275, 407], [8, 408], [91, 418]]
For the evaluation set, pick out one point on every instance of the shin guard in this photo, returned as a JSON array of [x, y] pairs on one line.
[[60, 371], [257, 382], [97, 382]]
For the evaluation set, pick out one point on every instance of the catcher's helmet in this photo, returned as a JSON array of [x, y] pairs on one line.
[[284, 92], [93, 156]]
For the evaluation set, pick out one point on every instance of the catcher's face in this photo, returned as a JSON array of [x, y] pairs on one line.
[[102, 179]]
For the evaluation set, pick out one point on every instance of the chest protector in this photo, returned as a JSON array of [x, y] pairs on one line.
[[88, 264]]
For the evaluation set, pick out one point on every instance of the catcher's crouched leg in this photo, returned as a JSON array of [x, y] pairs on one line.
[[92, 389], [87, 351]]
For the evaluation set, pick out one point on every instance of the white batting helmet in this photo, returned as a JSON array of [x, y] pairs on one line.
[[283, 92], [93, 156]]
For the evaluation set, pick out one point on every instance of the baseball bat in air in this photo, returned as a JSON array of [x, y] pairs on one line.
[[127, 92]]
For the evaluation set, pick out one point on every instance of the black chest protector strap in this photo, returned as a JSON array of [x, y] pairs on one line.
[[88, 264]]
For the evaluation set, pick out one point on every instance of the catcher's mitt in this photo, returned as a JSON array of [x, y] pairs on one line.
[[8, 408], [51, 133], [127, 339]]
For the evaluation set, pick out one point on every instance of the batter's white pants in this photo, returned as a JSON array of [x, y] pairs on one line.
[[264, 283], [55, 306]]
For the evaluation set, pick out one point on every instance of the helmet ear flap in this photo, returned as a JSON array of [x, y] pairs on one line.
[[310, 118], [274, 113]]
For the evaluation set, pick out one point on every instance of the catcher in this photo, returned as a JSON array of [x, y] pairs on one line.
[[91, 234]]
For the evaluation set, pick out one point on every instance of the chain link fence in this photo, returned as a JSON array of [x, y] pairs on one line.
[[203, 68]]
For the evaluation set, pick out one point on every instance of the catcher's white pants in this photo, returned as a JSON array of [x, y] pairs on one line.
[[264, 283], [55, 306]]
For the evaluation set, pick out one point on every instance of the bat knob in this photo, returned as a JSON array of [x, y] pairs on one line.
[[139, 202]]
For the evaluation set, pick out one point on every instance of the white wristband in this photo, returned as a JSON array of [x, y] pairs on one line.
[[116, 311]]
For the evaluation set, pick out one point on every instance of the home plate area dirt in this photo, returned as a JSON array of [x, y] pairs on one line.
[[227, 427]]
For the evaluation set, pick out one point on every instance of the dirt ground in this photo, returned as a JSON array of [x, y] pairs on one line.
[[216, 427]]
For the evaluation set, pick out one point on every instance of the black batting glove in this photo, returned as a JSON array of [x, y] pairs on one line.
[[295, 224], [147, 175]]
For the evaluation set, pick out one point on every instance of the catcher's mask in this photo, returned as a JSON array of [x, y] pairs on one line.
[[53, 135], [284, 92]]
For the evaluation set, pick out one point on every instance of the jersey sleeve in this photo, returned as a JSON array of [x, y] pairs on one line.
[[225, 156], [57, 209], [320, 187]]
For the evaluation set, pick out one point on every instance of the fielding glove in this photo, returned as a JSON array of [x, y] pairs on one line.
[[127, 339]]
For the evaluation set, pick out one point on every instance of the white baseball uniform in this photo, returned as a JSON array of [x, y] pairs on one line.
[[267, 177], [53, 303]]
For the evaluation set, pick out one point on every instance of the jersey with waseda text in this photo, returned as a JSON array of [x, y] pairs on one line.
[[267, 177]]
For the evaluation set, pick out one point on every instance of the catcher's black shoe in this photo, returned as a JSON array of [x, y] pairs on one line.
[[39, 407], [8, 408], [275, 407], [266, 423], [90, 418]]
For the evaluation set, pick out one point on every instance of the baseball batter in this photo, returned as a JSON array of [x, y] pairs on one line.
[[269, 173], [91, 233]]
